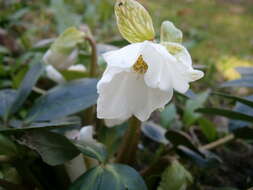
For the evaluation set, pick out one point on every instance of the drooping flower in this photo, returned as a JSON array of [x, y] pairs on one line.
[[142, 76], [63, 52]]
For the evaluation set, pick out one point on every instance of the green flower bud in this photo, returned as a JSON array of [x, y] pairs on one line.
[[64, 51], [134, 22], [170, 33]]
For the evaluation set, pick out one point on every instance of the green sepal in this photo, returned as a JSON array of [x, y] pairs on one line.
[[68, 41], [170, 33], [134, 22]]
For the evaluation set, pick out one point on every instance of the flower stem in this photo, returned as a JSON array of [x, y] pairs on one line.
[[94, 59], [128, 149], [92, 74]]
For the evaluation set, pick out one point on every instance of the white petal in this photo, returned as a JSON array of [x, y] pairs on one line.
[[112, 101], [86, 134], [127, 94], [77, 67], [124, 57], [181, 72], [54, 75], [108, 75], [72, 134], [150, 99], [156, 56], [183, 56], [195, 75], [114, 122], [60, 61]]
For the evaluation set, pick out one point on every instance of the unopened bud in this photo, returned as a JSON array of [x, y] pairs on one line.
[[64, 51]]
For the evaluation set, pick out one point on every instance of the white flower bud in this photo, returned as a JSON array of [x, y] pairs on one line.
[[64, 51]]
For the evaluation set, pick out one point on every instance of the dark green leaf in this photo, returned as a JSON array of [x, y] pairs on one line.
[[178, 138], [208, 128], [7, 147], [65, 100], [7, 98], [204, 160], [226, 113], [244, 133], [190, 116], [54, 124], [154, 132], [168, 115], [59, 122], [112, 137], [96, 151], [110, 177], [53, 148], [245, 101], [26, 86], [242, 108]]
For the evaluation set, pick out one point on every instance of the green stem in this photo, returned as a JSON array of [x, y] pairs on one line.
[[94, 59], [89, 113], [128, 149]]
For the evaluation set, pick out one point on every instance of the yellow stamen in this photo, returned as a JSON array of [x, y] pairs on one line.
[[140, 66]]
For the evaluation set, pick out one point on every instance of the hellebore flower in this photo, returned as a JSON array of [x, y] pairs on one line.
[[141, 77]]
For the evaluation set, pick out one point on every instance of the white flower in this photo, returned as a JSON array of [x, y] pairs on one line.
[[140, 78]]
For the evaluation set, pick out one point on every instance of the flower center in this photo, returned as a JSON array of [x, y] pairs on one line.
[[140, 66]]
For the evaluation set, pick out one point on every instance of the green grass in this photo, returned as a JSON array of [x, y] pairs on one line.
[[213, 29]]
